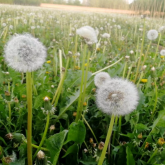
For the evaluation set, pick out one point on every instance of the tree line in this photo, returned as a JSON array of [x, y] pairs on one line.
[[21, 2]]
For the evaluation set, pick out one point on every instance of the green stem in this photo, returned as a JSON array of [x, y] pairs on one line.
[[107, 67], [29, 126], [78, 116], [141, 52], [90, 129], [107, 141], [61, 84], [146, 54], [155, 152], [113, 140], [9, 106], [129, 72], [156, 99], [120, 119], [157, 46], [141, 76], [125, 66], [44, 135], [35, 146], [84, 88]]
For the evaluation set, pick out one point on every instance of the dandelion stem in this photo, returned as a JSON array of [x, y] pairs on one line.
[[146, 54], [129, 72], [141, 76], [141, 52], [125, 66], [120, 119], [78, 116], [44, 135], [157, 46], [35, 146], [9, 106], [29, 126], [107, 140], [113, 139], [156, 99], [90, 128], [107, 67], [60, 57]]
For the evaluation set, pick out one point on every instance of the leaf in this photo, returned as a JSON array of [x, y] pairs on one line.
[[54, 145], [73, 98], [71, 149], [130, 159], [1, 139], [141, 100], [158, 124], [38, 102], [141, 127], [77, 132]]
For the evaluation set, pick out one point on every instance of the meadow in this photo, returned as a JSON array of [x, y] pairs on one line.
[[60, 98]]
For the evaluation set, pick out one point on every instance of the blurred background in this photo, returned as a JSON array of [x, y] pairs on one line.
[[148, 7]]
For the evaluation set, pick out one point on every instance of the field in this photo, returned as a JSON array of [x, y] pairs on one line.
[[90, 90]]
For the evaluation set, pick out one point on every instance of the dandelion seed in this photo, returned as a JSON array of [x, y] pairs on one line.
[[153, 69], [117, 97], [162, 52], [24, 53], [101, 78], [162, 28], [88, 33], [152, 34], [33, 27], [131, 52], [11, 27], [4, 24]]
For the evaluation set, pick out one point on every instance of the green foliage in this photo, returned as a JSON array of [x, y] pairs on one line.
[[54, 144], [77, 132], [130, 159]]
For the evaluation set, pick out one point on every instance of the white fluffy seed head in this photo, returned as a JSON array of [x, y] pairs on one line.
[[152, 34], [117, 97], [24, 53], [40, 155], [105, 35], [101, 78], [88, 33], [162, 52]]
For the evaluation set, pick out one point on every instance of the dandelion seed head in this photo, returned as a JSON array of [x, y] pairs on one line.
[[24, 53], [117, 97], [101, 78], [106, 35], [152, 34], [162, 28], [88, 33], [162, 52]]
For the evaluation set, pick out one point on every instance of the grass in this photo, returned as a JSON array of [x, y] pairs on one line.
[[67, 79]]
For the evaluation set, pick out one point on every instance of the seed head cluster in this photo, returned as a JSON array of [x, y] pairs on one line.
[[88, 33], [117, 96], [101, 78], [24, 53], [152, 34]]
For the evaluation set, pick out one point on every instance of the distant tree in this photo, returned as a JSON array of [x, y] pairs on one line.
[[6, 1], [77, 2], [70, 2], [59, 1], [150, 5]]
